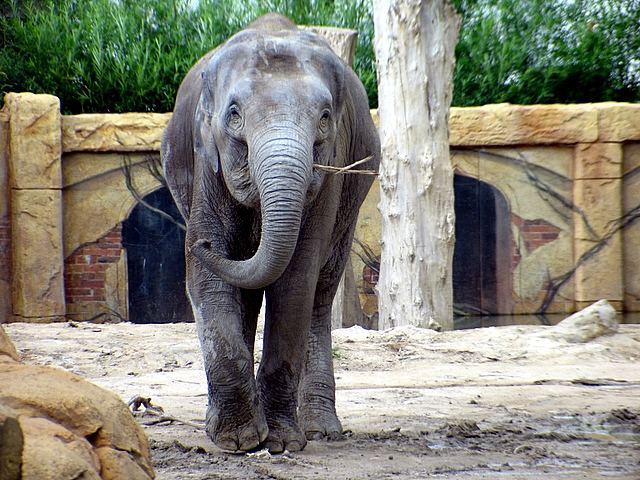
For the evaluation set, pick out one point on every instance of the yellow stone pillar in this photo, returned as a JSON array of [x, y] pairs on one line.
[[35, 180], [6, 311], [597, 192], [631, 234]]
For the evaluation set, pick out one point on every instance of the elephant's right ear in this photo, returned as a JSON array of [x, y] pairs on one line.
[[176, 152], [183, 132], [204, 146]]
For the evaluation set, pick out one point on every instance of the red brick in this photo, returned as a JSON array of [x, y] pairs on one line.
[[112, 248], [76, 292], [516, 220], [93, 267], [536, 228], [85, 268], [111, 252], [92, 250], [550, 236], [81, 259]]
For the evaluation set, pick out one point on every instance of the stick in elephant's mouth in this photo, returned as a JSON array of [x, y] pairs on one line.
[[348, 168]]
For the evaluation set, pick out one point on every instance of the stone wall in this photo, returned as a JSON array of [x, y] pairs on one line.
[[33, 152], [568, 174], [5, 221], [563, 177], [631, 234]]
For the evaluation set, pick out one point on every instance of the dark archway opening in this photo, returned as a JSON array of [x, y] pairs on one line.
[[155, 262], [482, 256]]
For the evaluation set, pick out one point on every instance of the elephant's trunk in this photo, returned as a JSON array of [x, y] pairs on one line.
[[282, 168]]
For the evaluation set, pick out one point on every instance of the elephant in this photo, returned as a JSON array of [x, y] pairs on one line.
[[254, 121]]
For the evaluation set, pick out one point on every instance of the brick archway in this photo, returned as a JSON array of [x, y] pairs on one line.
[[483, 253], [155, 262]]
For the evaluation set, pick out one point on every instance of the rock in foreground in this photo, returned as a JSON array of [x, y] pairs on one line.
[[63, 427]]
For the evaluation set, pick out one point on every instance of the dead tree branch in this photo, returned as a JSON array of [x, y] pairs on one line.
[[555, 284], [543, 187], [367, 255], [153, 167]]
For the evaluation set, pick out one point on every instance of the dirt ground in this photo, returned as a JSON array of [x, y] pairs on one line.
[[507, 402]]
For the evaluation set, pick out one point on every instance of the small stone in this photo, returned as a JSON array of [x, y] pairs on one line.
[[589, 323]]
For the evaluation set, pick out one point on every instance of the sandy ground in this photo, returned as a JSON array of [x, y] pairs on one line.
[[504, 402]]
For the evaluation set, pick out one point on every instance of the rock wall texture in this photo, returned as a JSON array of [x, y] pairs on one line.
[[6, 310], [631, 234], [562, 177], [35, 198], [54, 425]]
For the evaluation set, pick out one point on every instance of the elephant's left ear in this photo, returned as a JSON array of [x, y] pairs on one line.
[[333, 71]]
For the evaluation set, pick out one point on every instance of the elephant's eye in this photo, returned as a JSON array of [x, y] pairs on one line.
[[325, 118], [234, 119]]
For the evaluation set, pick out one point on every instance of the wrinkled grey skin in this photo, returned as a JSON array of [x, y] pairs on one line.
[[250, 121]]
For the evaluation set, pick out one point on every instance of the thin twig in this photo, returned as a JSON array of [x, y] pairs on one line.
[[348, 168], [156, 411]]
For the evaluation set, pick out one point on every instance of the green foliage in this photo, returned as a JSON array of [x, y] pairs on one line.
[[130, 55], [104, 55], [540, 51]]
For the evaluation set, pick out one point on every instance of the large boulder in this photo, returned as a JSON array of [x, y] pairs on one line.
[[56, 425]]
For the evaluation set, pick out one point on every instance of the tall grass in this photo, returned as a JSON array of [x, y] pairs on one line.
[[548, 51], [130, 55]]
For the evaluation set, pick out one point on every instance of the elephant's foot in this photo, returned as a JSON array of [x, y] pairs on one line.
[[232, 434], [284, 435], [320, 421]]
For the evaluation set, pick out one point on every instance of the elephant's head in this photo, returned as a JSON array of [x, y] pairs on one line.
[[268, 109]]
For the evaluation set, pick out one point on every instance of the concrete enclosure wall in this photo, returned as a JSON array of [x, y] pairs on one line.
[[564, 179]]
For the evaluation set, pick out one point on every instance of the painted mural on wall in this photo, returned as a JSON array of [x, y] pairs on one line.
[[547, 199]]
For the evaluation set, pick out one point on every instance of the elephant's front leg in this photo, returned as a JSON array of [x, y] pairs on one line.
[[288, 316], [317, 397], [235, 419], [317, 411]]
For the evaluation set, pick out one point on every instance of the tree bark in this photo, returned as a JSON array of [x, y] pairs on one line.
[[347, 311], [414, 43]]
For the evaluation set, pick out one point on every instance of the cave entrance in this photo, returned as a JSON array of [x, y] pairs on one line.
[[155, 262], [482, 256]]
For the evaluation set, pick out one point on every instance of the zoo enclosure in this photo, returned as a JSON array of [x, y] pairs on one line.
[[561, 180]]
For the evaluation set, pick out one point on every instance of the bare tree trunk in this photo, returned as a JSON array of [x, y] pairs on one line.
[[414, 43], [347, 311]]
